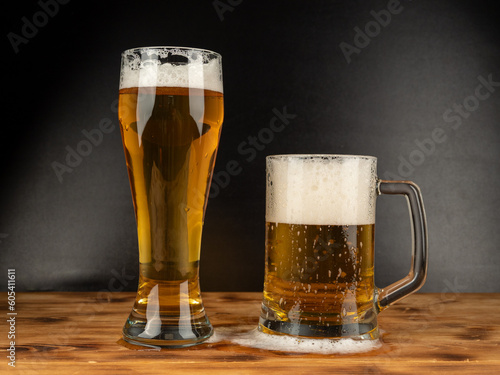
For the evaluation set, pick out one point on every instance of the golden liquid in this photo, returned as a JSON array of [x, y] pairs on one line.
[[170, 136], [319, 279]]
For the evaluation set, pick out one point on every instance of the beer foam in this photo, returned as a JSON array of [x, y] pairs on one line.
[[321, 189], [260, 340], [151, 67]]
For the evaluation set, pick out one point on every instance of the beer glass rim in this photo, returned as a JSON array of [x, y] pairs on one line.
[[319, 156], [201, 50]]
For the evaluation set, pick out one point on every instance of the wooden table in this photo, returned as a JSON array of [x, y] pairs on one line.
[[80, 333]]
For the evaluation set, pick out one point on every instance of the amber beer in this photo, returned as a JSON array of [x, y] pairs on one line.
[[320, 277], [319, 248], [171, 112]]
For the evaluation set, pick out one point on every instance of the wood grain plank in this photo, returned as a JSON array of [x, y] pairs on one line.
[[80, 333]]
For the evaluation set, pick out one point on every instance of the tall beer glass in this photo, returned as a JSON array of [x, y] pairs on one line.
[[171, 111], [320, 232]]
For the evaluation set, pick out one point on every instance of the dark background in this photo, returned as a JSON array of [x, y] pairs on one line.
[[79, 233]]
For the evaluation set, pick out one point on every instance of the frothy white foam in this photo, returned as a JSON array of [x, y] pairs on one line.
[[259, 340], [321, 189], [150, 67]]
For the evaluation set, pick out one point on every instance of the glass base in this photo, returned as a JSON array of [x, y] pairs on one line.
[[166, 332], [167, 313], [366, 329]]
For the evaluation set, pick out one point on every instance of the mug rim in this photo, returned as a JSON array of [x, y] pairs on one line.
[[320, 156], [173, 48]]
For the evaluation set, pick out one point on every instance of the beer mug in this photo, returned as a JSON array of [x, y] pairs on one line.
[[320, 231], [171, 111]]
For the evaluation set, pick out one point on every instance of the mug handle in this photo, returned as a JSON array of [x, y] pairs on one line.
[[384, 297]]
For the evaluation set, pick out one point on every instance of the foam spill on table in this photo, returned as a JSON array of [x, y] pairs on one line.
[[259, 340]]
